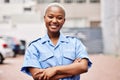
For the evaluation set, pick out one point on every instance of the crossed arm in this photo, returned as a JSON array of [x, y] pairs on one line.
[[54, 73]]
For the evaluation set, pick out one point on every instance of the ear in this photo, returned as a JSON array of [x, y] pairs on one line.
[[44, 17], [64, 20]]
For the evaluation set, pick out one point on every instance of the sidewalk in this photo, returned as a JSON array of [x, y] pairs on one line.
[[105, 67]]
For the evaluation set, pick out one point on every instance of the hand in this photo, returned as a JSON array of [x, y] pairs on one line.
[[77, 60], [37, 74], [48, 73]]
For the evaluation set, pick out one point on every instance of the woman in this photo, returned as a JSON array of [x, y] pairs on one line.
[[55, 56]]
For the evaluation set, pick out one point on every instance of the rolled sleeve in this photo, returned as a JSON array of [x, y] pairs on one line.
[[31, 59], [81, 52]]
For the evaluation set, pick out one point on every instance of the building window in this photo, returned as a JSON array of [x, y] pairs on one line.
[[57, 1], [68, 1], [27, 9], [95, 1], [74, 1], [80, 1], [95, 23], [40, 1], [73, 22], [47, 1], [6, 18], [7, 1]]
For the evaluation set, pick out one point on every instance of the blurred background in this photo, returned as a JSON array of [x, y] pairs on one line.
[[95, 22]]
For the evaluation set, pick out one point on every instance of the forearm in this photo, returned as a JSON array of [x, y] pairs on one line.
[[58, 72], [38, 74], [35, 72], [60, 76], [74, 68]]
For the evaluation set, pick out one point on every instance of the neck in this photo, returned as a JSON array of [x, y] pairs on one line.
[[54, 35]]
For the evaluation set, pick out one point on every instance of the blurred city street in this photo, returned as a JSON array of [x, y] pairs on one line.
[[105, 67], [95, 22]]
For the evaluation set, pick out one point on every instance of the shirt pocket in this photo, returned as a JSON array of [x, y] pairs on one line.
[[68, 57], [47, 60]]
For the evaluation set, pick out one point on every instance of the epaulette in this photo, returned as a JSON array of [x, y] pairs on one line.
[[34, 41], [70, 37]]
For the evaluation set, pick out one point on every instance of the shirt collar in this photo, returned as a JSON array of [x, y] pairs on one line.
[[46, 38]]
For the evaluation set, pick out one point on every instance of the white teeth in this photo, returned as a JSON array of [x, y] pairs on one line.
[[53, 26]]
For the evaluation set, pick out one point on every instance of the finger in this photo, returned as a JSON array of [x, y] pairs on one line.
[[41, 76], [38, 72], [45, 77], [78, 59]]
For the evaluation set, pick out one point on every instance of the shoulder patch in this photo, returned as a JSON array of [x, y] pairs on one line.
[[34, 41]]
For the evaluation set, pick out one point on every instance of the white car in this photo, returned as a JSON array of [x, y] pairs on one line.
[[5, 51]]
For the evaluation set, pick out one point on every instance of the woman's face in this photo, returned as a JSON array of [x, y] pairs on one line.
[[54, 19]]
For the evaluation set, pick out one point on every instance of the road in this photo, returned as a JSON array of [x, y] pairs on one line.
[[105, 67], [10, 70]]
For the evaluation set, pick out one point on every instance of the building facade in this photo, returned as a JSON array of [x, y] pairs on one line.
[[24, 19], [80, 13]]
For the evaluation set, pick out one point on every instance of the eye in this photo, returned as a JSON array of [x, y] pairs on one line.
[[60, 18], [50, 16]]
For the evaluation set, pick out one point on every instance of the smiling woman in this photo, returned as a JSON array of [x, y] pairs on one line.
[[56, 56], [54, 19]]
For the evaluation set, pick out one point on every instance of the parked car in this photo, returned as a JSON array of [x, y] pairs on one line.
[[5, 51], [15, 44]]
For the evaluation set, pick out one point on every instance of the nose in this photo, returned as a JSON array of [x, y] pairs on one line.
[[54, 20]]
